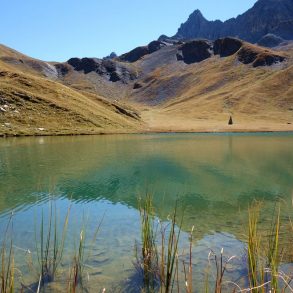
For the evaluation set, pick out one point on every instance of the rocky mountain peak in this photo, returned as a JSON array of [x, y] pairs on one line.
[[265, 17]]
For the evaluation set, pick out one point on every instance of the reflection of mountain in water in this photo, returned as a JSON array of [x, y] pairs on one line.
[[213, 175]]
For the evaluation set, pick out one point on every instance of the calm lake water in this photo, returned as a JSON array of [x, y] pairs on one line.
[[214, 177]]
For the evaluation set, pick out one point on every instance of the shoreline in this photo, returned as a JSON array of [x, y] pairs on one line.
[[235, 131]]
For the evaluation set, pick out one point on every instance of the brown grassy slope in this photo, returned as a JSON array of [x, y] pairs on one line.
[[36, 105], [202, 96], [77, 80], [173, 96], [27, 64]]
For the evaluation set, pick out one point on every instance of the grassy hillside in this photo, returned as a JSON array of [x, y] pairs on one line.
[[45, 98], [202, 96], [31, 104]]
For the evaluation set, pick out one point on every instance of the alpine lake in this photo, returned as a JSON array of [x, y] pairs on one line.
[[212, 178]]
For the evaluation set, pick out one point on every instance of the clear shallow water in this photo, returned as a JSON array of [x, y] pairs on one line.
[[215, 178]]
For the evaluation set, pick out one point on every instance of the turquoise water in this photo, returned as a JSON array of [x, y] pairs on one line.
[[214, 178]]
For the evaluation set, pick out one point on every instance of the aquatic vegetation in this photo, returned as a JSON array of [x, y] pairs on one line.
[[7, 269], [149, 251], [161, 266], [255, 264], [188, 267], [159, 261], [273, 254], [77, 267], [169, 274], [162, 270], [52, 240]]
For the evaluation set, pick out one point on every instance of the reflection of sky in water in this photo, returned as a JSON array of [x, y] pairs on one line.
[[214, 177]]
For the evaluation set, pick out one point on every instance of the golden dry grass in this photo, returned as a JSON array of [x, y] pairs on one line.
[[33, 105], [258, 99], [175, 97]]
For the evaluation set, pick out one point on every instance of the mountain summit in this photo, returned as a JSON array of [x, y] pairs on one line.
[[273, 17]]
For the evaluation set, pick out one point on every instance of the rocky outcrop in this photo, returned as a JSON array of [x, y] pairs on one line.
[[194, 51], [85, 64], [270, 41], [135, 54], [256, 56], [199, 50], [139, 52], [227, 46], [110, 69], [155, 46], [112, 55], [62, 69], [266, 16]]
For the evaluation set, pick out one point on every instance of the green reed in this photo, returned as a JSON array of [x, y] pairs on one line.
[[77, 268], [254, 262], [7, 269], [149, 251], [159, 262], [52, 241], [273, 254], [188, 267]]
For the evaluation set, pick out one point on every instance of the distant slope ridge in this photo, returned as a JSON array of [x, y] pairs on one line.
[[265, 17]]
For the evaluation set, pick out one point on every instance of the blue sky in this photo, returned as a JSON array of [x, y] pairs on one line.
[[55, 30]]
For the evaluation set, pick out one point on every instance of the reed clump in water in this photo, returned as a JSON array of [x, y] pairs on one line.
[[158, 259], [264, 255], [51, 247], [7, 270], [161, 266], [77, 267], [159, 252], [149, 261]]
